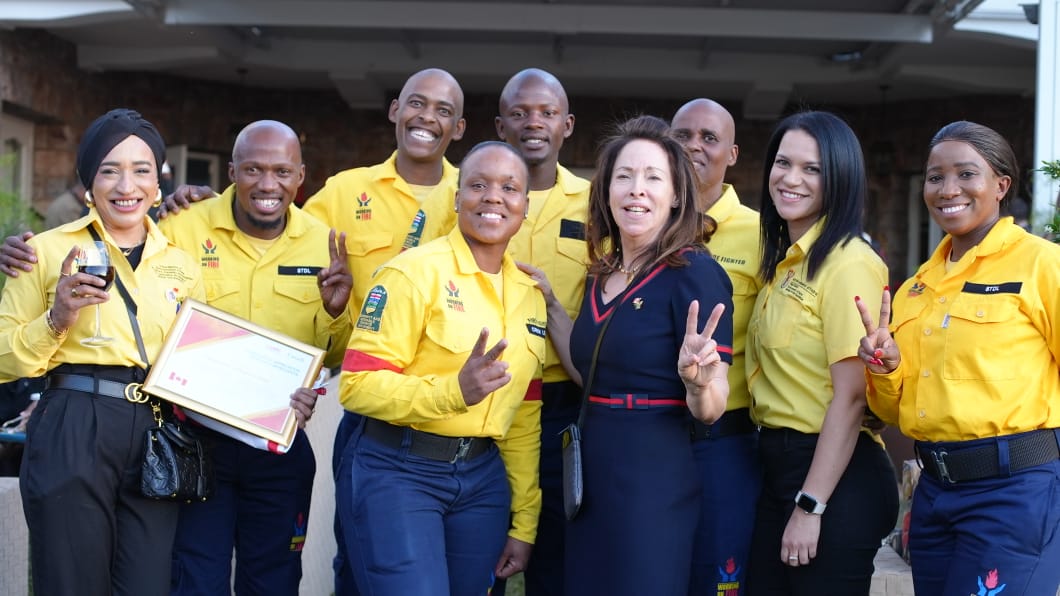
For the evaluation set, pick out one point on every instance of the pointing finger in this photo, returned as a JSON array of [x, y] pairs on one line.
[[885, 307]]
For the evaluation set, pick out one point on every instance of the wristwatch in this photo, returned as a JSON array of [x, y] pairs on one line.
[[809, 503]]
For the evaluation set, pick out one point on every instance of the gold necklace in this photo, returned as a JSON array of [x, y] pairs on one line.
[[128, 251], [630, 273]]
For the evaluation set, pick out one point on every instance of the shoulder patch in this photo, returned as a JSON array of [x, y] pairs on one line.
[[372, 312]]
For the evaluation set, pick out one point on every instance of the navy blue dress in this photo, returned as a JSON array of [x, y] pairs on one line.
[[635, 530]]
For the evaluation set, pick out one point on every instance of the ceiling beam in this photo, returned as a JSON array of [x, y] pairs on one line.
[[560, 19], [56, 13]]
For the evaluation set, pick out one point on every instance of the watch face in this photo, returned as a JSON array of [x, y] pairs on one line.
[[806, 503]]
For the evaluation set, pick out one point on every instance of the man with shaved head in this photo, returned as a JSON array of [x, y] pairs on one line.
[[535, 118], [265, 261], [726, 451], [389, 207]]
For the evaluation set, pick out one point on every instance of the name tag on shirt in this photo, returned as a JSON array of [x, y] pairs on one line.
[[298, 270], [568, 228], [1010, 287]]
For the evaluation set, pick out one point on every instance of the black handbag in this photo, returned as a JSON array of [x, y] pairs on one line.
[[573, 473], [176, 464]]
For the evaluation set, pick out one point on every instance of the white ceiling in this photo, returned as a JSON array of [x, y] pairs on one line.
[[759, 53]]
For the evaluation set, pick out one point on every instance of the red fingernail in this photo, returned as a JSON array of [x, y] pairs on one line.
[[886, 288], [878, 353], [857, 298], [877, 361]]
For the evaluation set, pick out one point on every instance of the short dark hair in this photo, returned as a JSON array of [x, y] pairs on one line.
[[485, 145], [990, 145], [688, 227], [843, 190]]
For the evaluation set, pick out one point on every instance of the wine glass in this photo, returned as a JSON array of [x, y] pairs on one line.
[[94, 259]]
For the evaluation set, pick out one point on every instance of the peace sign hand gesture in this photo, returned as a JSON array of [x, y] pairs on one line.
[[878, 350], [700, 366], [484, 372], [335, 282]]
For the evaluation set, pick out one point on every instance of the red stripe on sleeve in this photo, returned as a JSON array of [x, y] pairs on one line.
[[533, 392], [357, 361], [725, 349]]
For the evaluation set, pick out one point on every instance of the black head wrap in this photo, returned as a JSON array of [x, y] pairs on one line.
[[106, 132]]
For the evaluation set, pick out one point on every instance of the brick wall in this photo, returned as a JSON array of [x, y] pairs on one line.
[[39, 80]]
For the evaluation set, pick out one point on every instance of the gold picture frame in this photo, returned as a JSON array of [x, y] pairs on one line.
[[233, 371]]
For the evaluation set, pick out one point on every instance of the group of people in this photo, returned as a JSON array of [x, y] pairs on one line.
[[719, 361]]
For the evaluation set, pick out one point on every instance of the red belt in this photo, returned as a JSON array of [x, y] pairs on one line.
[[636, 401]]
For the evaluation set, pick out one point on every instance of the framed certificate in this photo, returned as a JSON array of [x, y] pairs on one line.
[[233, 371]]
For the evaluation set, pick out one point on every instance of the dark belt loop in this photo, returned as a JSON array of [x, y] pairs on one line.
[[1003, 462]]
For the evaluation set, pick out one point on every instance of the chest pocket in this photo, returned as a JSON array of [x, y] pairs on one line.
[[573, 249], [778, 320], [741, 286], [300, 288], [363, 244], [973, 350], [457, 337], [219, 289]]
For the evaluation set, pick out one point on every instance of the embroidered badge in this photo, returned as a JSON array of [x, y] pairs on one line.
[[209, 259], [989, 587], [415, 230], [372, 312], [298, 538], [453, 301], [363, 212], [916, 289], [729, 576], [638, 303], [787, 278]]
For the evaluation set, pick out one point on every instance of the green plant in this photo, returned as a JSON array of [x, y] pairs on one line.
[[1052, 227], [15, 215]]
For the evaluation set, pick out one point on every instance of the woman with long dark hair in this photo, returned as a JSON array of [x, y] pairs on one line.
[[829, 493]]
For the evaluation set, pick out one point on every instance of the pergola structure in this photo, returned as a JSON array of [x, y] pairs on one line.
[[762, 54]]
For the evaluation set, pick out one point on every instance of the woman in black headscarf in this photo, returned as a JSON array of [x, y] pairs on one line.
[[90, 530]]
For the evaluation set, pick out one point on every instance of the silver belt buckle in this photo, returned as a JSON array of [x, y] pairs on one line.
[[462, 447], [940, 464]]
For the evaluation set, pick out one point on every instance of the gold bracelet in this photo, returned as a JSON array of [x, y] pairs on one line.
[[51, 325]]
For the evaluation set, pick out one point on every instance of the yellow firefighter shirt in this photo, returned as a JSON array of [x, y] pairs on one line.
[[165, 277], [277, 290], [414, 333], [800, 327], [979, 343], [735, 247], [381, 216]]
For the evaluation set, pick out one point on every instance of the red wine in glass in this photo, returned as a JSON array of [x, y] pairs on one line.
[[104, 272]]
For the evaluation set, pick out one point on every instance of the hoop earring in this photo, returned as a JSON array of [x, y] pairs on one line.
[[88, 198], [158, 199]]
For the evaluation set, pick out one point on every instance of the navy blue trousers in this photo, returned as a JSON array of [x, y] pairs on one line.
[[988, 537], [344, 583], [731, 473], [418, 526], [260, 507]]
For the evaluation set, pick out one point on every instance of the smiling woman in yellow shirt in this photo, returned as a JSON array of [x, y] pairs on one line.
[[91, 531], [976, 382], [444, 348], [807, 386]]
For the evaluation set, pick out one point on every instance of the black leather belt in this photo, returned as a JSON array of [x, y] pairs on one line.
[[950, 462], [86, 384], [733, 422], [425, 444]]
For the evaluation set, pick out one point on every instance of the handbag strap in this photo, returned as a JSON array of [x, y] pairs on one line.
[[587, 382], [130, 305]]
